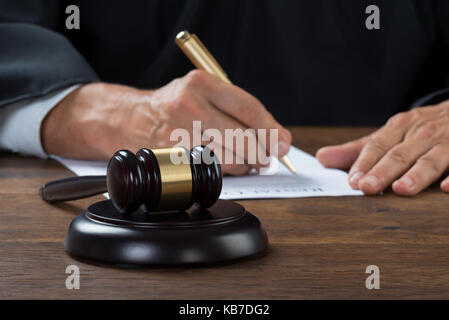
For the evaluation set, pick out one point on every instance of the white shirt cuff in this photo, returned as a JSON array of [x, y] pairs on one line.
[[20, 122]]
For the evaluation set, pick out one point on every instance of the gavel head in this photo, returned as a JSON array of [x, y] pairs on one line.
[[164, 179]]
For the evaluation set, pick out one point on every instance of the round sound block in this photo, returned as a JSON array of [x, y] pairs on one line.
[[223, 232]]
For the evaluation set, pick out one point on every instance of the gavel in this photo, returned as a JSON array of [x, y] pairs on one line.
[[149, 179]]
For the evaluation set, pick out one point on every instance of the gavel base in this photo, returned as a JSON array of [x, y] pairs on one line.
[[223, 232]]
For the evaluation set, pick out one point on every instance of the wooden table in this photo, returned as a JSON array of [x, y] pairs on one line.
[[319, 247]]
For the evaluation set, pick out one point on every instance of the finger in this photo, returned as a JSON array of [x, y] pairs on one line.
[[248, 111], [426, 170], [236, 167], [445, 185], [239, 139], [341, 156], [237, 104], [241, 105], [191, 106], [395, 162], [380, 143]]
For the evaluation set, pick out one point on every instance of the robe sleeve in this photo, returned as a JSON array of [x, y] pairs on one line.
[[441, 8], [34, 59]]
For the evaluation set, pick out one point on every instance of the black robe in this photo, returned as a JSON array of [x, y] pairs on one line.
[[310, 62]]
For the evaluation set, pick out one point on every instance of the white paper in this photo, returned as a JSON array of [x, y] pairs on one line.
[[311, 180]]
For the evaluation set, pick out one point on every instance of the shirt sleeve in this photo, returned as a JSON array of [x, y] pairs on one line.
[[20, 122]]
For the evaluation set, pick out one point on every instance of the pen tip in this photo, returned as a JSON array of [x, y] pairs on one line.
[[286, 161]]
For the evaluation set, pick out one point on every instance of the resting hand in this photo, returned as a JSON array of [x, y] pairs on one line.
[[410, 152]]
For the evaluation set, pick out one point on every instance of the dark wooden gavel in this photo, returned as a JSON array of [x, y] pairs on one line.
[[158, 180]]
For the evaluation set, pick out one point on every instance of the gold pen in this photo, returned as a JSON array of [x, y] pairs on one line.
[[202, 59]]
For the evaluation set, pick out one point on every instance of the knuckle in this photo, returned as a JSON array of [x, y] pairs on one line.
[[400, 120], [416, 111], [431, 165], [175, 106], [249, 110], [417, 114], [196, 78], [399, 156], [427, 130], [243, 111], [257, 112], [378, 145]]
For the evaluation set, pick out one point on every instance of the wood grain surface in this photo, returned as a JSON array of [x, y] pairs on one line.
[[319, 247]]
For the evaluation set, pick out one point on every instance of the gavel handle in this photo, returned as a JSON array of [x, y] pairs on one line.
[[73, 188]]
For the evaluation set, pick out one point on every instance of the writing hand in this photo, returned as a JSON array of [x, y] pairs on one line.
[[410, 152], [97, 119]]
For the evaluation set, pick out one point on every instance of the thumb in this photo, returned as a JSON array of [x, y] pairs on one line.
[[341, 156]]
